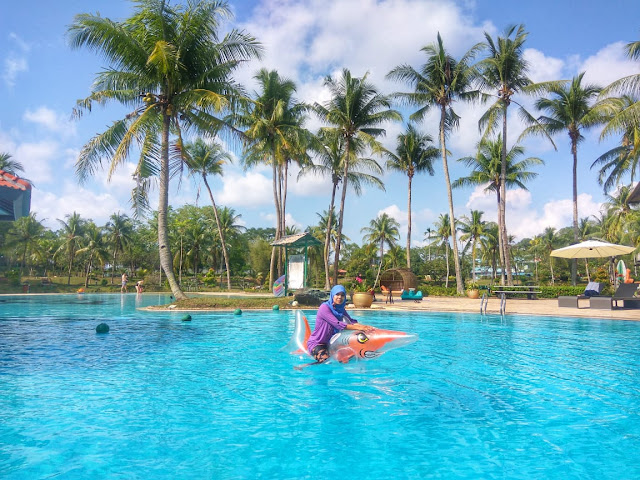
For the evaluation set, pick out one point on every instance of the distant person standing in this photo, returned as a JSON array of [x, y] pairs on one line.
[[125, 279], [139, 288]]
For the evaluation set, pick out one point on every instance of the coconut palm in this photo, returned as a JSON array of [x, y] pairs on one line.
[[472, 229], [25, 233], [118, 230], [381, 230], [569, 109], [624, 159], [10, 166], [487, 170], [95, 247], [618, 208], [174, 56], [207, 160], [276, 135], [439, 83], [443, 235], [72, 233], [504, 70], [489, 247], [414, 154], [330, 154], [356, 110], [549, 241]]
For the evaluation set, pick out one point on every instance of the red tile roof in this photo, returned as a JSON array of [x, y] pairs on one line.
[[11, 181]]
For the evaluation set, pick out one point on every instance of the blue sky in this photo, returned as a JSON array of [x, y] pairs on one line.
[[41, 78]]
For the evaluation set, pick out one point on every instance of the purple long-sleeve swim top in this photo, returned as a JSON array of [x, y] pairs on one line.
[[326, 325]]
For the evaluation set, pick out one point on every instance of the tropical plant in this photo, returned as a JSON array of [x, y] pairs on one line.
[[487, 170], [356, 110], [443, 234], [414, 154], [440, 82], [504, 70], [472, 229], [95, 247], [118, 230], [72, 233], [205, 160], [330, 154], [549, 242], [25, 233], [174, 56], [381, 230], [569, 110], [275, 130], [10, 166]]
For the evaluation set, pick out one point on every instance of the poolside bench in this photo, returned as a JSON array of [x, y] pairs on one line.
[[572, 301], [529, 290]]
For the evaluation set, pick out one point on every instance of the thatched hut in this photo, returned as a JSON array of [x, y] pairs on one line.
[[397, 279]]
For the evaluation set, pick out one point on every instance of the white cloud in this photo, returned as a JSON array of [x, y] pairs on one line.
[[523, 219], [541, 67], [12, 67], [609, 64], [51, 121], [38, 160], [249, 190]]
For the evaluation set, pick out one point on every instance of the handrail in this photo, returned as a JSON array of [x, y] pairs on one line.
[[483, 303], [503, 303]]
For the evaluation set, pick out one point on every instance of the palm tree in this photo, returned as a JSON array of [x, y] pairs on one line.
[[356, 110], [623, 159], [505, 70], [443, 235], [440, 82], [10, 166], [487, 169], [428, 233], [208, 160], [383, 229], [489, 247], [330, 154], [472, 229], [414, 154], [569, 110], [275, 136], [119, 230], [620, 211], [25, 233], [95, 247], [175, 57], [549, 241], [72, 232]]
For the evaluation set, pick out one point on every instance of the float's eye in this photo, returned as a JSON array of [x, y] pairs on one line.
[[362, 338]]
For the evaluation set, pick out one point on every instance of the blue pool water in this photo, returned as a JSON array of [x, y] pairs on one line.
[[158, 398]]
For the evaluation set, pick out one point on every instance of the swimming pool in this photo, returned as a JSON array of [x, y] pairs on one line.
[[475, 397]]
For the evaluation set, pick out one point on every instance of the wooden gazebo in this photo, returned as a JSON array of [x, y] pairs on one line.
[[397, 279], [297, 241]]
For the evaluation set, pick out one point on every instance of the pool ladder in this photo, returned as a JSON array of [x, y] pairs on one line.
[[484, 301]]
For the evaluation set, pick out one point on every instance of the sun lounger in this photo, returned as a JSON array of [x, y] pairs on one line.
[[411, 295], [592, 289], [626, 293]]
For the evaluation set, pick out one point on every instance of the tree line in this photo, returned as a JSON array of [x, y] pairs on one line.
[[171, 67]]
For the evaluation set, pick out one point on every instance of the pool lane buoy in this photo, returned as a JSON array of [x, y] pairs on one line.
[[186, 318], [102, 328], [237, 311], [276, 307]]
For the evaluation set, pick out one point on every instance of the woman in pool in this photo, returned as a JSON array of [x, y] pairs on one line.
[[331, 319]]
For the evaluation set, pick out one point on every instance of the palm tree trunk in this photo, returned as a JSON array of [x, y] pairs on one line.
[[409, 227], [341, 215], [574, 262], [445, 166], [224, 247], [500, 245], [503, 199], [276, 201], [327, 239], [446, 254], [164, 248]]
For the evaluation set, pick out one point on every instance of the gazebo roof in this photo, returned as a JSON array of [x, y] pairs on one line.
[[15, 197], [298, 240]]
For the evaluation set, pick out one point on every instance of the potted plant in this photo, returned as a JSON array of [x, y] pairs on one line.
[[472, 290], [362, 296]]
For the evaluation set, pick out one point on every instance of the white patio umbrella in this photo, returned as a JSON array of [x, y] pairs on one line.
[[592, 249]]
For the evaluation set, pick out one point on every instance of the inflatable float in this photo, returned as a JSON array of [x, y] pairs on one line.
[[349, 344]]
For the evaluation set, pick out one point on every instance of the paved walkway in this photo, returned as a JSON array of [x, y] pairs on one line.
[[514, 306]]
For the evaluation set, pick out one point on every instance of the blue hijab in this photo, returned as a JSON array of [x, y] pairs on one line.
[[338, 310]]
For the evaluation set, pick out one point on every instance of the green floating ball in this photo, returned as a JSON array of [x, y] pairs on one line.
[[186, 318], [102, 328], [276, 307], [237, 311]]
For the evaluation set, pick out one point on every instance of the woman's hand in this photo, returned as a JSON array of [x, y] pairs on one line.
[[360, 326]]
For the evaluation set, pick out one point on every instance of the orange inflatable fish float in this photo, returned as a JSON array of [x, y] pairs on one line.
[[349, 344]]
